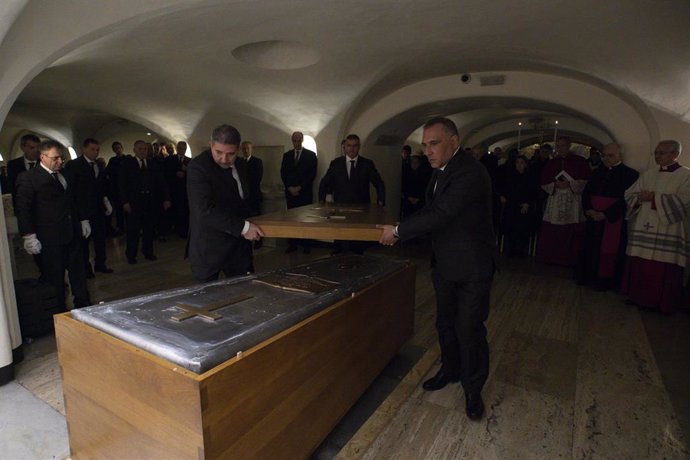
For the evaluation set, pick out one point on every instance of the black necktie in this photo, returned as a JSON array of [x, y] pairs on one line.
[[439, 174], [235, 182], [143, 165], [352, 168], [32, 164], [297, 152], [94, 167], [56, 176]]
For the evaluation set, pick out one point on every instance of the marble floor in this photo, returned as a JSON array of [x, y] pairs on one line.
[[574, 373]]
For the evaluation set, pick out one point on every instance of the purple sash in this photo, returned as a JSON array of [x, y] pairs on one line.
[[611, 239]]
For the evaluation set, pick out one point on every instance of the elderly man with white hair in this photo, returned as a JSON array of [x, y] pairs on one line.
[[657, 253], [602, 258]]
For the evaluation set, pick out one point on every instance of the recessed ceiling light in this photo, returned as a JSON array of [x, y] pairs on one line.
[[277, 54]]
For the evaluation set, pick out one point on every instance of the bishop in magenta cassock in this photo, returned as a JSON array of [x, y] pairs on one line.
[[657, 254], [603, 200], [563, 178]]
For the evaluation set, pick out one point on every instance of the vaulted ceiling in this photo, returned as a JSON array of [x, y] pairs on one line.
[[310, 64]]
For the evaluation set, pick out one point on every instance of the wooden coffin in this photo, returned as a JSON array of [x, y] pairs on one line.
[[278, 399]]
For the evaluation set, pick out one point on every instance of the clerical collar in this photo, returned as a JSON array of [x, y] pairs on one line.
[[443, 168], [670, 168]]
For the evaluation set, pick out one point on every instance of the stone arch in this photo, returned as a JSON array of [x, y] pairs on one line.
[[626, 118]]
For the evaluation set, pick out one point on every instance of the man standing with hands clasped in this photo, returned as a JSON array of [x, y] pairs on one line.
[[90, 190], [458, 216], [220, 235], [52, 224], [298, 171]]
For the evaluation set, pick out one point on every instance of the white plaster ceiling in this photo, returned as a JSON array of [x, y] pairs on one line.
[[10, 10], [169, 71]]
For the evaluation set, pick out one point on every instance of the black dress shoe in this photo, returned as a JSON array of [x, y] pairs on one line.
[[440, 380], [103, 269], [90, 274], [150, 257], [131, 260], [474, 406], [290, 249]]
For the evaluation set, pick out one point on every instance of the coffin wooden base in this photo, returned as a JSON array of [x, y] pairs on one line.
[[279, 399]]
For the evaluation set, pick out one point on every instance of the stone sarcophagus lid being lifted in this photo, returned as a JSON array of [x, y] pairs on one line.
[[259, 366]]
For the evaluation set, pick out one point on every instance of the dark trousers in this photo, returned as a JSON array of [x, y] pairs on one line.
[[461, 309], [239, 265], [140, 222], [162, 219], [587, 268], [98, 237], [57, 259], [38, 260], [180, 211], [119, 213]]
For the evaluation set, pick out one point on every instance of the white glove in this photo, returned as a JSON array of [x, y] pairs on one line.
[[108, 206], [85, 228], [32, 245]]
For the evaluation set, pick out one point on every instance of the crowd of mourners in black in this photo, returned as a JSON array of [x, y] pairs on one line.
[[518, 198]]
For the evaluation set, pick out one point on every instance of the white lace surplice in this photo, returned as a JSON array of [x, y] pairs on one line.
[[660, 234]]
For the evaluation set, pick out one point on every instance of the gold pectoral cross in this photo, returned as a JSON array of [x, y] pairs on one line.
[[206, 312]]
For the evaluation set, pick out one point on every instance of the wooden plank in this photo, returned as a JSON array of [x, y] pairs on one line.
[[134, 395], [327, 221]]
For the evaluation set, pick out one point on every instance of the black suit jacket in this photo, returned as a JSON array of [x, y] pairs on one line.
[[217, 215], [175, 166], [135, 184], [255, 173], [356, 188], [45, 208], [14, 169], [458, 216], [113, 171], [303, 173], [88, 189], [172, 164]]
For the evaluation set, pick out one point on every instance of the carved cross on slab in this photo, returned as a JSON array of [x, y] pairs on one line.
[[206, 312], [647, 226]]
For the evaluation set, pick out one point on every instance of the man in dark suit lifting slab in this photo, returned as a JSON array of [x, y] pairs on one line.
[[458, 216], [220, 235]]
